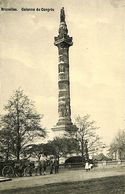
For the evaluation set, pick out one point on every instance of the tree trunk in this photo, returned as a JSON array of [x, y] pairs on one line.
[[18, 155], [18, 134], [82, 150], [58, 158], [18, 151], [8, 150], [86, 151]]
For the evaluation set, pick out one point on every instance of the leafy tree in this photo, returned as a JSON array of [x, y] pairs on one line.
[[89, 141], [5, 144], [34, 150], [117, 147], [19, 125], [60, 147], [38, 150]]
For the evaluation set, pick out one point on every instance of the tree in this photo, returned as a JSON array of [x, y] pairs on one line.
[[117, 147], [35, 151], [57, 148], [89, 141], [5, 144], [60, 147], [20, 124]]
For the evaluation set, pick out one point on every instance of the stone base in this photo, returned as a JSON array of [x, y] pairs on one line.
[[61, 130], [64, 121]]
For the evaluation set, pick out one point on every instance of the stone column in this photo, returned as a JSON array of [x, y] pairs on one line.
[[63, 42], [64, 109]]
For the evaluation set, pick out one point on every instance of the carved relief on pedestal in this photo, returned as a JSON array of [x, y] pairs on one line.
[[64, 110], [61, 110], [61, 68], [68, 111], [63, 77], [63, 58], [60, 58], [64, 94], [63, 85], [63, 50]]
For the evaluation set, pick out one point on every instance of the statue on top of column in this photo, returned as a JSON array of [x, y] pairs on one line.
[[63, 31], [62, 15]]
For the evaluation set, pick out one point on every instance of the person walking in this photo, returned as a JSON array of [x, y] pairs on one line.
[[40, 167], [44, 167], [36, 167], [51, 166], [86, 166], [56, 166]]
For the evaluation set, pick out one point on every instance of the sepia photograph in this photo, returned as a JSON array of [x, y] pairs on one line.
[[62, 96]]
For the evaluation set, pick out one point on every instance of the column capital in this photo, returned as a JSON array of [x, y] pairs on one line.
[[63, 39]]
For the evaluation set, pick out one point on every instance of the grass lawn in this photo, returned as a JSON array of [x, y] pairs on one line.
[[107, 185]]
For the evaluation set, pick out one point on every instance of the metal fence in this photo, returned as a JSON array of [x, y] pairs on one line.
[[113, 163]]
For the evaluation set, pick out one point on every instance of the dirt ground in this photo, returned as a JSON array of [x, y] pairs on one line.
[[65, 176]]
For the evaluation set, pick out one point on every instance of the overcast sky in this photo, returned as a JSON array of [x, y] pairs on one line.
[[29, 59]]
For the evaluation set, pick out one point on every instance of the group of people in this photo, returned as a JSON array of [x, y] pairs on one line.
[[88, 166], [52, 166], [41, 167]]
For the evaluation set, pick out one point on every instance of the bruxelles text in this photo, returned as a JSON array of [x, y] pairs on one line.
[[27, 9]]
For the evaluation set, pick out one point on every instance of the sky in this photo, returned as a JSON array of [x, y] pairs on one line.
[[29, 59]]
